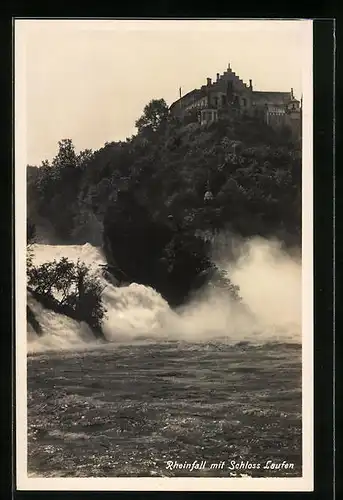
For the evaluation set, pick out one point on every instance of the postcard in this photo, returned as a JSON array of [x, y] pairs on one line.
[[164, 253]]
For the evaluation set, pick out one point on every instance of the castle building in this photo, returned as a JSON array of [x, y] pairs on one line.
[[228, 94]]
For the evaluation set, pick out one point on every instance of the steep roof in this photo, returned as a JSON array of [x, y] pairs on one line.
[[196, 93], [276, 98], [273, 97]]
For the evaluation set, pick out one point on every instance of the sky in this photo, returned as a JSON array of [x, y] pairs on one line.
[[90, 80]]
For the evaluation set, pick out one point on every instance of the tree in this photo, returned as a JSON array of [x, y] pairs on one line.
[[66, 156], [55, 190], [69, 288], [84, 158], [155, 113]]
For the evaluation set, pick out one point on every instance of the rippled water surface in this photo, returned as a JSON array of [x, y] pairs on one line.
[[126, 410]]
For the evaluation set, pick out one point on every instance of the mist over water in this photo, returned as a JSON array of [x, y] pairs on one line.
[[270, 282], [270, 287], [213, 380]]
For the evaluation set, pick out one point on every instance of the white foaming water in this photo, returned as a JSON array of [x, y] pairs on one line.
[[59, 331], [269, 281]]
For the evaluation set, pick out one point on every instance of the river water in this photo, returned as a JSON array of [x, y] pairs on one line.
[[202, 384]]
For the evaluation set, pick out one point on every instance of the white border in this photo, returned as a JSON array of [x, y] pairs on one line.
[[305, 483], [307, 257]]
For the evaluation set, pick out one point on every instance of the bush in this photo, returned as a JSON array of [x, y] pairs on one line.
[[68, 288]]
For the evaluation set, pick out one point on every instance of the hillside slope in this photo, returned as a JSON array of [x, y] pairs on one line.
[[144, 198]]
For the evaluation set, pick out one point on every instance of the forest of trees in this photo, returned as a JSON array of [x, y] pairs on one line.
[[144, 201]]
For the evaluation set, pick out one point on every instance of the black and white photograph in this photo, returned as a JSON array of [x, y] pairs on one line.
[[164, 289]]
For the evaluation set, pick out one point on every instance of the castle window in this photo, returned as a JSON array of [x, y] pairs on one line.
[[244, 101], [229, 91]]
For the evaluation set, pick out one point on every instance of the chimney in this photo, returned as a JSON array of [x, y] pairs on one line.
[[250, 84], [229, 67], [292, 95], [209, 81], [218, 77]]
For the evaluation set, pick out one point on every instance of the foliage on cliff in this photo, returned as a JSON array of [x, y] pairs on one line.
[[148, 193], [68, 288], [65, 287]]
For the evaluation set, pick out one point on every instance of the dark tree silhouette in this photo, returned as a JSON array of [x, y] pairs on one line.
[[155, 113]]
